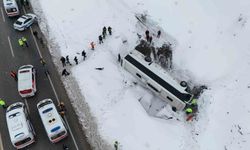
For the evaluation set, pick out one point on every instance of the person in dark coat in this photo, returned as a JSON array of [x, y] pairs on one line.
[[84, 54], [65, 72], [67, 60], [159, 34], [35, 33], [103, 35], [150, 39], [100, 39], [110, 30], [104, 30], [76, 60], [63, 60]]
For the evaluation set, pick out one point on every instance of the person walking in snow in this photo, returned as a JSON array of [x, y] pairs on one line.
[[63, 61], [92, 45], [116, 145], [147, 35], [84, 54], [159, 34], [13, 75], [100, 39], [104, 30], [67, 60], [65, 72], [103, 34], [150, 39], [25, 41], [76, 60], [110, 30]]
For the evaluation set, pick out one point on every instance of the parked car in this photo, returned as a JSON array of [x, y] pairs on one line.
[[25, 21], [26, 81]]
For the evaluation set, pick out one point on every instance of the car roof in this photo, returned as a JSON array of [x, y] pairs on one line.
[[17, 124], [25, 77]]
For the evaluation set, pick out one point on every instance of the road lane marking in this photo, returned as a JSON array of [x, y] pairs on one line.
[[11, 49], [1, 142], [53, 88], [27, 106], [2, 14]]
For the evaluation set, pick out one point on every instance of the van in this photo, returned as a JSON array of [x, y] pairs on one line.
[[20, 128], [53, 123], [26, 81], [11, 8]]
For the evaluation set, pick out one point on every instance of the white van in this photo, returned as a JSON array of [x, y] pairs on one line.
[[52, 121], [20, 128], [26, 81], [11, 8]]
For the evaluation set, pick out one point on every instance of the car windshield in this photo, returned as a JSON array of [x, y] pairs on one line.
[[18, 23]]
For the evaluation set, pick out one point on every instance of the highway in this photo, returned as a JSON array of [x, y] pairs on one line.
[[12, 56]]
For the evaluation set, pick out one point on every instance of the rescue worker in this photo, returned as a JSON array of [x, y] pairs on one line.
[[189, 110], [42, 61], [20, 42], [100, 39], [3, 104], [14, 75], [92, 45], [25, 41], [110, 30], [194, 105], [116, 145]]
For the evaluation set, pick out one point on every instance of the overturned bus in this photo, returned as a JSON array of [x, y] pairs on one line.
[[157, 80]]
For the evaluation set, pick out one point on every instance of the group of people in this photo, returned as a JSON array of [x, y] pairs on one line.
[[23, 41], [149, 37], [104, 34]]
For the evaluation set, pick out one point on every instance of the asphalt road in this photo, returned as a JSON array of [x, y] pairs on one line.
[[12, 56]]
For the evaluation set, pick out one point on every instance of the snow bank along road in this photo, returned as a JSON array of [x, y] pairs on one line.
[[12, 57]]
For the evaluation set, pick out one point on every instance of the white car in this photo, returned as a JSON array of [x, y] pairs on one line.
[[25, 21]]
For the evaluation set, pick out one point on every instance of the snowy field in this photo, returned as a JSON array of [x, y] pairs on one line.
[[212, 48]]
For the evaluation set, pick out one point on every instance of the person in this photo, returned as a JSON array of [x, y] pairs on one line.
[[104, 30], [100, 39], [147, 33], [76, 60], [92, 45], [189, 110], [63, 61], [65, 147], [194, 105], [110, 30], [150, 39], [65, 72], [35, 33], [42, 61], [62, 108], [14, 75], [159, 34], [84, 54], [20, 42], [116, 145], [25, 41], [119, 57], [2, 103], [67, 60], [103, 34]]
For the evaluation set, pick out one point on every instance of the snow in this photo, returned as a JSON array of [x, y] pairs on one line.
[[212, 48]]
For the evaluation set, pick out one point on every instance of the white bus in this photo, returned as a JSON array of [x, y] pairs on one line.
[[20, 128], [52, 121], [11, 8], [157, 80]]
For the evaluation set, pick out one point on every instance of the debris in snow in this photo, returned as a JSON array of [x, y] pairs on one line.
[[100, 68]]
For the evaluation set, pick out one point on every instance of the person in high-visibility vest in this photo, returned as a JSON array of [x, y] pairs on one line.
[[25, 41], [2, 103], [188, 110], [20, 42]]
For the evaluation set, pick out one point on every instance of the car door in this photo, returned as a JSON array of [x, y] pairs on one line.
[[27, 22]]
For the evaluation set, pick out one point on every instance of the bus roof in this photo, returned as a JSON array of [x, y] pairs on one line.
[[50, 117], [17, 124], [157, 74]]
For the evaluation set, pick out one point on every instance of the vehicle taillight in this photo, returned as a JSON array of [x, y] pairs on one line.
[[26, 91]]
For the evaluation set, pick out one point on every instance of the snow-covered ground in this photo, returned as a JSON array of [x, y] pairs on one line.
[[212, 48]]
